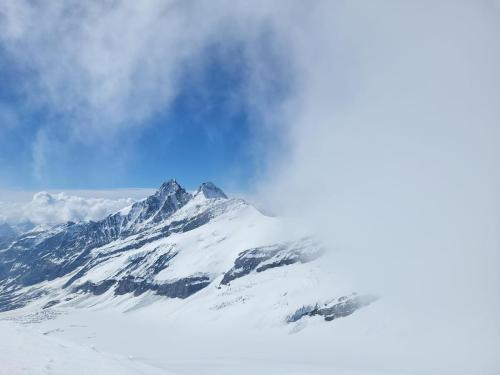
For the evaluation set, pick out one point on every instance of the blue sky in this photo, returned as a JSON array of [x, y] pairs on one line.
[[207, 130]]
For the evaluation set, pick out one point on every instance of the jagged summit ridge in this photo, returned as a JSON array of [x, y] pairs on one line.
[[71, 243], [167, 199], [210, 191], [168, 187]]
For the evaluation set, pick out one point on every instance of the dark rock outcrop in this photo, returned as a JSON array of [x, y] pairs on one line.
[[180, 288], [7, 235], [263, 258], [95, 288], [50, 304], [339, 308]]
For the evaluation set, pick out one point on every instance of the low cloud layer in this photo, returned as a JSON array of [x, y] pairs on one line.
[[47, 208]]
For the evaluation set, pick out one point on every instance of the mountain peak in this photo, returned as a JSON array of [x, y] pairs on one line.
[[209, 190], [164, 202], [169, 187]]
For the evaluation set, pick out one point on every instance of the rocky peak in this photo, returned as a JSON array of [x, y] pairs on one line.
[[169, 187], [167, 199], [209, 190]]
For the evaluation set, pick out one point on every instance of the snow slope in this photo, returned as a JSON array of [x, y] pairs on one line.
[[176, 283], [211, 251], [25, 351]]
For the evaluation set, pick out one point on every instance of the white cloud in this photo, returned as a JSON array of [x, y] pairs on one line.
[[113, 64], [102, 68], [56, 208], [394, 160]]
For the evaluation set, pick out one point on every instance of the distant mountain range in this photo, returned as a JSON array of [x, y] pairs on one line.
[[204, 246]]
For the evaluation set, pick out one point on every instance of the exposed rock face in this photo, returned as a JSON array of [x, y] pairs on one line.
[[181, 288], [263, 258], [168, 199], [7, 235], [50, 304], [12, 299], [95, 288], [339, 308]]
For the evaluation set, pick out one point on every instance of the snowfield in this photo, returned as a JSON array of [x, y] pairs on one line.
[[157, 338], [147, 340], [204, 284], [26, 351]]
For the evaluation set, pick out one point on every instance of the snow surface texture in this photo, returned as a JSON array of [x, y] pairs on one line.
[[175, 283]]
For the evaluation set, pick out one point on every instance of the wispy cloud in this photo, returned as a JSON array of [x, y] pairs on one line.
[[113, 64], [98, 69]]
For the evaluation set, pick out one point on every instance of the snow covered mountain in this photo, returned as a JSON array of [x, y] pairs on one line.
[[7, 235], [9, 232], [213, 251]]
